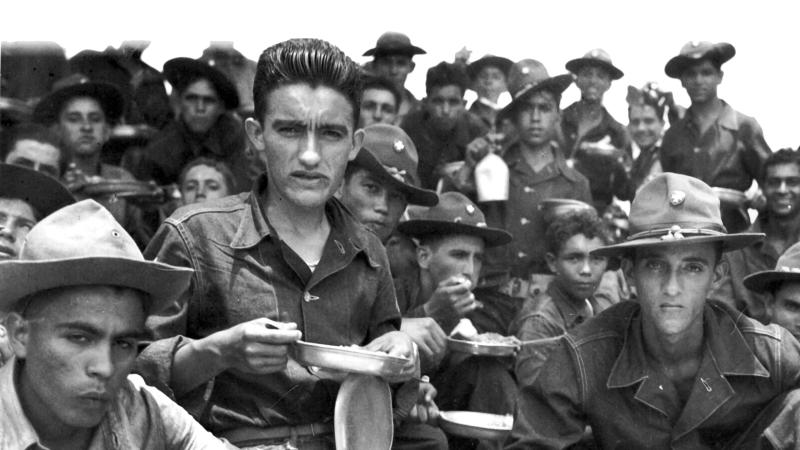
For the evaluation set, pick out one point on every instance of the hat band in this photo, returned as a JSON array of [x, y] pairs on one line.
[[675, 232], [397, 174]]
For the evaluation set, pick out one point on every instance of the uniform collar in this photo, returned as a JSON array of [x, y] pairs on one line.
[[726, 352], [559, 166], [574, 313], [727, 117], [253, 227]]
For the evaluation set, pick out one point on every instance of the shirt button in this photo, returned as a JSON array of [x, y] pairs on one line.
[[309, 297], [697, 149], [524, 221], [521, 255], [528, 190]]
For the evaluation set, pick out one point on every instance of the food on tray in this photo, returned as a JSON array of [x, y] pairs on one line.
[[495, 338]]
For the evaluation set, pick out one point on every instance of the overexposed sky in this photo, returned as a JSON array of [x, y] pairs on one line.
[[640, 36]]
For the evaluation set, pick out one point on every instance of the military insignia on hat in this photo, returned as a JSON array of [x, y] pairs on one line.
[[676, 197], [470, 209], [398, 146], [595, 53]]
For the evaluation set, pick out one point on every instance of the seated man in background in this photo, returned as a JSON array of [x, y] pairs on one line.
[[781, 287], [779, 220], [78, 296], [205, 179], [36, 147], [206, 126], [392, 58], [26, 197], [569, 300], [442, 127], [673, 369], [379, 102]]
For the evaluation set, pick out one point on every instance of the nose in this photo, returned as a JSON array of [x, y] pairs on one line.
[[201, 190], [101, 364], [382, 203], [86, 125], [671, 285], [586, 270], [6, 229], [310, 154], [782, 188]]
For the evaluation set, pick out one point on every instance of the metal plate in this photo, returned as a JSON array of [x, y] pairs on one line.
[[480, 348], [476, 425], [348, 359]]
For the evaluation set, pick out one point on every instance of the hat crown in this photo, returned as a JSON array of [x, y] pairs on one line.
[[524, 75], [672, 200], [81, 230], [393, 148], [598, 54], [454, 207], [696, 48], [393, 39], [70, 80], [789, 261]]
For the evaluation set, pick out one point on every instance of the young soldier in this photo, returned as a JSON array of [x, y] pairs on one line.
[[713, 142], [78, 295], [671, 370], [285, 251], [392, 58], [782, 288], [379, 102], [569, 300]]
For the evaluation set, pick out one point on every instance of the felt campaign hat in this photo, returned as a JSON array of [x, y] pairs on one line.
[[78, 85], [529, 76], [182, 71], [694, 51], [43, 192], [455, 214], [393, 43], [391, 155], [786, 269], [504, 64], [677, 209], [81, 245], [595, 57]]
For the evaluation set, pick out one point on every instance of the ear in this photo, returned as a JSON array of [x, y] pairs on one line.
[[424, 256], [551, 262], [413, 65], [626, 266], [254, 133], [720, 272], [358, 142], [18, 334], [721, 75]]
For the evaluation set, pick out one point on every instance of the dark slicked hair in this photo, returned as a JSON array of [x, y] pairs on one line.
[[583, 222], [782, 156], [447, 74], [312, 61]]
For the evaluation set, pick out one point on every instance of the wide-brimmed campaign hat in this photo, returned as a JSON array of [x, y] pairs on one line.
[[676, 209], [78, 85], [455, 214], [182, 71], [79, 245], [529, 76], [596, 57], [694, 51], [474, 68], [43, 192], [394, 43], [786, 269], [390, 154]]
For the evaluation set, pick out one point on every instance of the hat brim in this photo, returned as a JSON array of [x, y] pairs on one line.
[[721, 53], [504, 64], [177, 70], [110, 98], [44, 193], [413, 194], [162, 282], [766, 280], [409, 50], [557, 85], [729, 242], [491, 236], [576, 65]]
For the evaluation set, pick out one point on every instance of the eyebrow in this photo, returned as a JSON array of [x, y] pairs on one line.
[[92, 330], [278, 123]]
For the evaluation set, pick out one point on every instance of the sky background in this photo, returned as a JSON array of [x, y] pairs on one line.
[[641, 36]]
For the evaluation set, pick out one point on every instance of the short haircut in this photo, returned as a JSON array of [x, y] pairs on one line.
[[311, 61], [38, 133], [446, 74], [513, 114], [383, 84], [584, 222], [219, 166], [782, 156]]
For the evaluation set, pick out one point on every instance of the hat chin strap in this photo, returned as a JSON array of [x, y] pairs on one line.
[[675, 232]]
